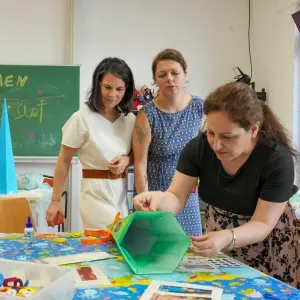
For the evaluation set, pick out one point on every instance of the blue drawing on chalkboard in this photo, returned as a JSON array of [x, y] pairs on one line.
[[8, 178]]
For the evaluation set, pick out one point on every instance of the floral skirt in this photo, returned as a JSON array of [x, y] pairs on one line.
[[278, 255]]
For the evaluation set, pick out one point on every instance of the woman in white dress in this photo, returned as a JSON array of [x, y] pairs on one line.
[[100, 133]]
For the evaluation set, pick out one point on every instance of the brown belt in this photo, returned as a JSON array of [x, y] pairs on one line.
[[101, 174]]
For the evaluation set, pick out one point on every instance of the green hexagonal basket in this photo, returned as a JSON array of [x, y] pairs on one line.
[[151, 242]]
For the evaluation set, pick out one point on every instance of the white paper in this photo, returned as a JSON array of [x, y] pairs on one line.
[[76, 258], [159, 290]]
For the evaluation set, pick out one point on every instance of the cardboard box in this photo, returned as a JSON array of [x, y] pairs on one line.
[[151, 242]]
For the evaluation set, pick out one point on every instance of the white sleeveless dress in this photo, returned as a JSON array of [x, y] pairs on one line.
[[99, 141]]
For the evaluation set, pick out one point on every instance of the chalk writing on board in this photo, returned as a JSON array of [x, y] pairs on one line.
[[12, 80], [12, 99], [46, 140], [24, 111], [17, 145], [34, 112], [50, 97]]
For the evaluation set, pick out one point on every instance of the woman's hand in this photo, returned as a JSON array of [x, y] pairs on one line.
[[118, 165], [54, 211], [211, 243], [148, 201]]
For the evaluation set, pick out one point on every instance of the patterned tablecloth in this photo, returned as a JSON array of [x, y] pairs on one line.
[[238, 281]]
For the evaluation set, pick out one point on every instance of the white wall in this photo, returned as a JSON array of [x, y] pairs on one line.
[[273, 41], [38, 32], [34, 32], [212, 35], [276, 61]]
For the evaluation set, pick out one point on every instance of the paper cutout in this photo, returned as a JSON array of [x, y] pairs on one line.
[[8, 178], [89, 276]]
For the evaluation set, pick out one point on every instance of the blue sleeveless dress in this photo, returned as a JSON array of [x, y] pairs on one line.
[[170, 133]]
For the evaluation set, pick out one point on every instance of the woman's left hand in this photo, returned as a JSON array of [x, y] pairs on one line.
[[211, 243], [118, 165]]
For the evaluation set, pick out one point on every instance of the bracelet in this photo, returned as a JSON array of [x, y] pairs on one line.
[[56, 201], [231, 246]]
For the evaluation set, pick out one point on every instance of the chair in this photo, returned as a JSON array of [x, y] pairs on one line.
[[13, 215], [64, 195]]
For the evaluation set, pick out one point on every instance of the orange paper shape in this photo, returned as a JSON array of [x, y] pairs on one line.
[[104, 235]]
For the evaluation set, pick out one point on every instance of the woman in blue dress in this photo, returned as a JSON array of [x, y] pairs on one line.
[[163, 127]]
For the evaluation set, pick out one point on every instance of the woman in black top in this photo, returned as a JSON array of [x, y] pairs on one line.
[[245, 166]]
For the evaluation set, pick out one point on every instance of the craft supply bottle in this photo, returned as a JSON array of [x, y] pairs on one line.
[[29, 237]]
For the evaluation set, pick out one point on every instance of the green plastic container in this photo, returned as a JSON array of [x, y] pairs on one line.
[[151, 242]]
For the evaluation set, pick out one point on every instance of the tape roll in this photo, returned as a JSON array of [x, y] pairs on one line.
[[96, 241], [95, 232]]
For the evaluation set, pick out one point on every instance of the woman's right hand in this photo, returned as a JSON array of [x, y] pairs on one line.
[[148, 201], [54, 210]]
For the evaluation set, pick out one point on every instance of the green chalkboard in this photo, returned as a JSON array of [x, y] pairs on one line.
[[40, 99]]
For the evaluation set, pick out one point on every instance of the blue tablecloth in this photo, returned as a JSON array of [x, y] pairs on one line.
[[240, 282]]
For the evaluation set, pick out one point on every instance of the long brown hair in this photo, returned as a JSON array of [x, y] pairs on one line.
[[241, 104]]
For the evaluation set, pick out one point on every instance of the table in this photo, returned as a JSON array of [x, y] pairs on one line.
[[240, 282]]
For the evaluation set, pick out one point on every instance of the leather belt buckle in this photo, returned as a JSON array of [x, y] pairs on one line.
[[111, 175]]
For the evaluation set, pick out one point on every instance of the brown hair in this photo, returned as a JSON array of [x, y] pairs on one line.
[[241, 104], [169, 54]]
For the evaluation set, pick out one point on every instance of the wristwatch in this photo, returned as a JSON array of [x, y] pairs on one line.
[[231, 246]]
